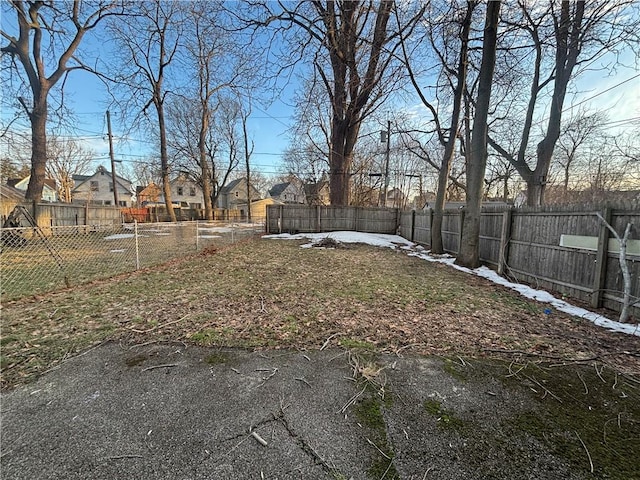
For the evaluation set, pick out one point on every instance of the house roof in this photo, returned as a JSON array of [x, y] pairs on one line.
[[123, 181], [231, 185], [278, 189], [311, 189], [49, 182], [8, 192]]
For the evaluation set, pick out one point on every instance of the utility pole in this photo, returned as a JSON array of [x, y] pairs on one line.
[[113, 162], [386, 136]]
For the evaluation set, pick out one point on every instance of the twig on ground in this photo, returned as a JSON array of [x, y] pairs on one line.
[[387, 470], [546, 390], [352, 400], [586, 450], [153, 367], [118, 457], [326, 342], [260, 440], [378, 448], [303, 381], [586, 390], [236, 370], [599, 372], [264, 380], [425, 473]]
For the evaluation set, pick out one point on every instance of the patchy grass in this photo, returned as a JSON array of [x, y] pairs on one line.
[[273, 294]]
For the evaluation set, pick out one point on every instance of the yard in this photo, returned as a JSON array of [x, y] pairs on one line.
[[273, 294], [582, 381]]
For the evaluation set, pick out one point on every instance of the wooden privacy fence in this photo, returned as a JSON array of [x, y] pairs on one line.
[[320, 218], [565, 250], [69, 214]]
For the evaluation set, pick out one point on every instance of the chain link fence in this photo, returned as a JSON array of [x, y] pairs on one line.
[[38, 260]]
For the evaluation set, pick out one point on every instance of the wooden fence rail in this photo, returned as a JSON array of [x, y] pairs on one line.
[[567, 251]]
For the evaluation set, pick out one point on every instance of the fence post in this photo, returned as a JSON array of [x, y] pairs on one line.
[[197, 237], [505, 236], [355, 219], [430, 223], [266, 220], [413, 224], [318, 223], [280, 219], [460, 233], [600, 274], [135, 234]]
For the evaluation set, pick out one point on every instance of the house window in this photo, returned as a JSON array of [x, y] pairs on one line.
[[111, 186], [285, 196], [236, 194], [122, 203], [180, 191], [95, 186], [192, 192]]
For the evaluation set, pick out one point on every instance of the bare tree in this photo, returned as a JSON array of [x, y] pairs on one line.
[[476, 157], [150, 39], [354, 58], [564, 36], [456, 80], [66, 158], [46, 48], [575, 135]]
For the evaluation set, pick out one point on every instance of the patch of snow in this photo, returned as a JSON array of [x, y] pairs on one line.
[[119, 236], [395, 241], [210, 236], [375, 239], [216, 229], [122, 250]]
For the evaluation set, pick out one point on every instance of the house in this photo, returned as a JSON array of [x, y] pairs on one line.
[[49, 191], [9, 198], [97, 189], [152, 193], [258, 209], [235, 193], [186, 192], [287, 192], [395, 198], [317, 193]]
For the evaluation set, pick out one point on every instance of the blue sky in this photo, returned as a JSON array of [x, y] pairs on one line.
[[618, 93]]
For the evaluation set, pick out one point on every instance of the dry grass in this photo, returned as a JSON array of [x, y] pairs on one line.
[[273, 294]]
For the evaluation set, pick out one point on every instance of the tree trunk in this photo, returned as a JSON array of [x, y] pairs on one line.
[[437, 245], [38, 117], [469, 255], [164, 161], [339, 164], [204, 164]]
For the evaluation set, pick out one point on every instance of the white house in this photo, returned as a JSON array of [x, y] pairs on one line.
[[98, 189], [185, 191], [235, 193], [49, 191], [287, 192]]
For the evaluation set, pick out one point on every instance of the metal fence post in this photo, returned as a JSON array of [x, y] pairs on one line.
[[197, 237], [135, 234]]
